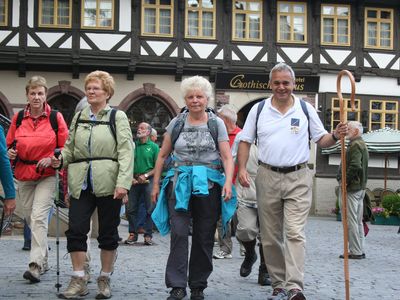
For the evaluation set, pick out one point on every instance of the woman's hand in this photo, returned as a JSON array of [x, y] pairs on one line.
[[43, 163], [9, 207], [155, 192], [227, 191], [12, 154], [56, 162], [120, 193]]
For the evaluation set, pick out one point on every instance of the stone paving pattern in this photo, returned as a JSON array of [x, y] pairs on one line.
[[139, 272]]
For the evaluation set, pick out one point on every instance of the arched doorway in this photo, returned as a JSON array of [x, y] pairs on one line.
[[244, 111], [150, 110], [65, 104]]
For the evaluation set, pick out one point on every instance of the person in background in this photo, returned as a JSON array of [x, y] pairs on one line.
[[247, 229], [30, 147], [229, 116], [356, 180], [153, 135], [91, 149], [283, 181], [6, 179], [194, 188], [146, 153]]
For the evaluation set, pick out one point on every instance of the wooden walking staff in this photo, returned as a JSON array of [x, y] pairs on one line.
[[343, 119]]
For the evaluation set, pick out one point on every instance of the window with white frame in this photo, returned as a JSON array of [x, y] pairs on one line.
[[292, 22], [348, 113], [335, 24], [383, 113], [200, 19], [3, 12], [55, 13], [247, 20], [157, 17], [379, 28], [98, 14]]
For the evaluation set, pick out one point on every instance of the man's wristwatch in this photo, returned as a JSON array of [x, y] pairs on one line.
[[146, 175], [334, 137]]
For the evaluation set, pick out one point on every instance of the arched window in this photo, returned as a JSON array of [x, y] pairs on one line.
[[152, 111], [65, 104]]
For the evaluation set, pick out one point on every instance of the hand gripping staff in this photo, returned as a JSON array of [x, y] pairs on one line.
[[57, 153], [343, 158]]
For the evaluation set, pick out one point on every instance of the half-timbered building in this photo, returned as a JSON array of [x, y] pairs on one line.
[[150, 45]]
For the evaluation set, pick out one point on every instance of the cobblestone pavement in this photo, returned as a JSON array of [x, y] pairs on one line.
[[139, 272]]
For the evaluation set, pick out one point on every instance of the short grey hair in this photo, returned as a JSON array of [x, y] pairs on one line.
[[153, 132], [197, 83], [282, 67], [228, 112], [356, 125]]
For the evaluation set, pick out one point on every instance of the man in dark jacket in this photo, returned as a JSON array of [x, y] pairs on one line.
[[357, 175]]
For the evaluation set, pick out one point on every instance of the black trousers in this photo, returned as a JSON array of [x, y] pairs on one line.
[[80, 211], [205, 212]]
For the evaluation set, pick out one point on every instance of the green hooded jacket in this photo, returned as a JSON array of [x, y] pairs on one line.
[[107, 174]]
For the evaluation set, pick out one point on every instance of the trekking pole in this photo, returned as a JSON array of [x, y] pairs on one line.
[[57, 153], [344, 191], [2, 220]]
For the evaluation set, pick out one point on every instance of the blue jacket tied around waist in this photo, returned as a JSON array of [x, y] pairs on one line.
[[192, 180]]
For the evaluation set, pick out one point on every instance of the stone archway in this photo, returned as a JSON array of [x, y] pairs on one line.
[[151, 105], [64, 98], [244, 111]]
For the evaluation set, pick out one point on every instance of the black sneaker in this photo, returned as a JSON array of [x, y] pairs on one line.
[[177, 294], [196, 294], [249, 260]]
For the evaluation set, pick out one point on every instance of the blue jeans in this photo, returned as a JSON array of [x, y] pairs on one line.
[[140, 193]]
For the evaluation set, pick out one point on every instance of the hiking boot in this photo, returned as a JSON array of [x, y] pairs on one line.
[[248, 262], [196, 294], [177, 294], [295, 294], [33, 274], [27, 245], [132, 238], [103, 284], [148, 241], [354, 256], [77, 288], [278, 294], [263, 276], [222, 254]]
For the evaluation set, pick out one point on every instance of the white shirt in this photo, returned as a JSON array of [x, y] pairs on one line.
[[283, 138]]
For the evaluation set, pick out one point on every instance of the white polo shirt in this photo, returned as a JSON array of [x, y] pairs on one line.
[[283, 138]]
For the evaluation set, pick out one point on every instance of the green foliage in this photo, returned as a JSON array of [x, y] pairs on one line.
[[391, 203]]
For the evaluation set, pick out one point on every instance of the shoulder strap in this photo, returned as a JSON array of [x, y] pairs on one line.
[[54, 124], [19, 118], [113, 126], [305, 111], [180, 122], [212, 125], [259, 109]]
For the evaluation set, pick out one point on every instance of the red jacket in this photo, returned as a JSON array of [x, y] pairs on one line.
[[232, 135], [35, 139]]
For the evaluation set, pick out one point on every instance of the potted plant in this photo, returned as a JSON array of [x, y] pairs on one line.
[[336, 211], [389, 212]]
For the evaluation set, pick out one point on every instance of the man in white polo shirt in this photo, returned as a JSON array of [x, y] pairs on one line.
[[284, 182]]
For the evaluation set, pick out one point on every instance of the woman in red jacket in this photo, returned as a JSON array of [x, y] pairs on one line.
[[31, 142]]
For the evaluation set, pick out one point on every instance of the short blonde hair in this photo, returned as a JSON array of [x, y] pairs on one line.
[[34, 82], [106, 80], [197, 83]]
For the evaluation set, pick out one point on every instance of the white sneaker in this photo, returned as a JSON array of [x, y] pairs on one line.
[[222, 254]]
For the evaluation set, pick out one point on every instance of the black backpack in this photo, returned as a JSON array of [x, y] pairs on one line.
[[53, 121], [212, 125], [110, 122]]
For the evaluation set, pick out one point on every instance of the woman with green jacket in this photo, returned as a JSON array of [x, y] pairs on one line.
[[99, 157]]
